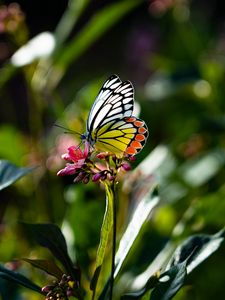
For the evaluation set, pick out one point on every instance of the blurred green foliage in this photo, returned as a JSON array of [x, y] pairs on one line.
[[173, 52]]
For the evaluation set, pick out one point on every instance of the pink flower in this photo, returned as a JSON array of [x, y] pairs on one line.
[[84, 165], [77, 157]]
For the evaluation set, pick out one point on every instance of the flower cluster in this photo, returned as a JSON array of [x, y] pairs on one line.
[[60, 290], [85, 166], [11, 17]]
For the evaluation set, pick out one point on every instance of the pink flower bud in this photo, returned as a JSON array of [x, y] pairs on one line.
[[69, 292], [86, 179], [97, 177], [126, 167], [66, 157], [111, 178], [102, 155], [79, 177], [47, 288], [132, 158], [103, 176]]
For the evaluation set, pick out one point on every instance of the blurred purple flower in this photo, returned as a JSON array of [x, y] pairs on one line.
[[142, 42], [65, 288]]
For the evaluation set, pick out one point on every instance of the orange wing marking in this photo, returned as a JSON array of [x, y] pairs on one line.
[[131, 150], [136, 145], [142, 130], [131, 119], [139, 137], [138, 123]]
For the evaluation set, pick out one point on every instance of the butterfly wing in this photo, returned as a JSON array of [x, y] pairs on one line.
[[114, 101], [127, 135]]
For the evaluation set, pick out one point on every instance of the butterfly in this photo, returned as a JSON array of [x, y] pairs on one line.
[[110, 126]]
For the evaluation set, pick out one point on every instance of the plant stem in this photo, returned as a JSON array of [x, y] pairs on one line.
[[113, 243]]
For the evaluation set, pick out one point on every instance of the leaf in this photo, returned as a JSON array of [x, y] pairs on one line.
[[8, 289], [140, 215], [13, 143], [48, 266], [18, 278], [51, 237], [69, 19], [198, 170], [9, 173], [170, 282], [6, 73], [105, 231], [93, 30], [106, 226], [96, 27], [151, 283], [196, 249], [186, 257]]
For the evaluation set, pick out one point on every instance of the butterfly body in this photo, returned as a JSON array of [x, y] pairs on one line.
[[110, 126]]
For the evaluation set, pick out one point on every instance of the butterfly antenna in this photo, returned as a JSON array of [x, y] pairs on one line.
[[67, 129], [78, 146]]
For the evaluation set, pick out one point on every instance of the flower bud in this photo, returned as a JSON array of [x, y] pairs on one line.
[[50, 294], [111, 177], [102, 155], [96, 177], [65, 156], [126, 166], [64, 277], [47, 288], [86, 179], [69, 292], [104, 176], [79, 177], [132, 158]]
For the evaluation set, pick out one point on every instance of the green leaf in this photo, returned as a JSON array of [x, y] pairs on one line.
[[13, 143], [51, 237], [9, 173], [69, 18], [93, 30], [106, 226], [18, 278], [187, 256], [105, 231], [198, 170], [6, 73], [151, 283], [139, 217], [170, 282], [196, 249], [94, 279], [48, 266]]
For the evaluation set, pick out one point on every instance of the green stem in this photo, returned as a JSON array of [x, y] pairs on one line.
[[113, 243], [109, 222]]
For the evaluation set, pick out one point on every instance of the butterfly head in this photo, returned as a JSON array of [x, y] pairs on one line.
[[85, 137]]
